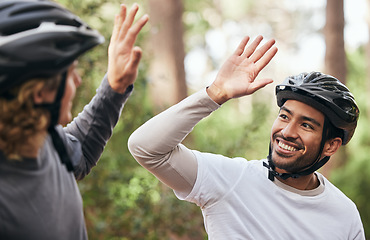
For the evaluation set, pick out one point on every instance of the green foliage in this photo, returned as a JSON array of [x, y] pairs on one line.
[[353, 178], [234, 132]]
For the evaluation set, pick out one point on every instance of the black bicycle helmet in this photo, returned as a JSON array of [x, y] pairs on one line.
[[325, 93], [39, 38]]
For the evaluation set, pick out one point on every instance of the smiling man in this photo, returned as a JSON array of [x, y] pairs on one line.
[[281, 197]]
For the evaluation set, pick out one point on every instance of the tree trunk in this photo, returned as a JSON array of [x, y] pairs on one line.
[[167, 73], [167, 84], [335, 63], [335, 56]]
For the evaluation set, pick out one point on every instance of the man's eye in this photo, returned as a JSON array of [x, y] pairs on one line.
[[283, 116], [306, 125]]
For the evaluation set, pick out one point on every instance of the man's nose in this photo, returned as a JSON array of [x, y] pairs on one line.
[[290, 131]]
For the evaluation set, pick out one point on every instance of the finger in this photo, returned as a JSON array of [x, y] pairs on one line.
[[135, 29], [240, 49], [133, 65], [137, 53], [118, 21], [115, 29], [122, 14], [262, 50], [249, 50], [261, 83], [261, 64], [129, 20]]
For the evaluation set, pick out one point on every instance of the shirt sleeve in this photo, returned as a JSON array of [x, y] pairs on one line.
[[156, 145], [217, 176], [93, 127], [357, 232]]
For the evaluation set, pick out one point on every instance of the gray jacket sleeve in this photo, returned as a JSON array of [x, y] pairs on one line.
[[94, 125]]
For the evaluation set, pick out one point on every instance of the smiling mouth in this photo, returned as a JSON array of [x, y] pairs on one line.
[[287, 147]]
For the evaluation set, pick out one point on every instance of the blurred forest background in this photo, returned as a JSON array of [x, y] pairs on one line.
[[184, 45]]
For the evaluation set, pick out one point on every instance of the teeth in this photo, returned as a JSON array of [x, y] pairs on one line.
[[286, 147]]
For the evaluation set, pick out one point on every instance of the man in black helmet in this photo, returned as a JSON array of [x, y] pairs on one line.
[[281, 197], [40, 160]]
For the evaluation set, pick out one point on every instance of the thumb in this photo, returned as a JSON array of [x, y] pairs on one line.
[[135, 58], [261, 83]]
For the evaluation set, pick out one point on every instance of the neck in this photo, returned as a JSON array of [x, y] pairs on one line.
[[308, 182], [32, 147]]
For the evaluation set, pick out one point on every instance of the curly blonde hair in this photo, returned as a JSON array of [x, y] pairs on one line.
[[22, 126]]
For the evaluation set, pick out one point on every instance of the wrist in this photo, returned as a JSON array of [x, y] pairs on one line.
[[118, 85], [216, 94]]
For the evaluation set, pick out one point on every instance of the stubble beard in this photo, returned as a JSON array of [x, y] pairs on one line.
[[293, 165]]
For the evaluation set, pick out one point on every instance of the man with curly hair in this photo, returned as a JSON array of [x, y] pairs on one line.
[[40, 160]]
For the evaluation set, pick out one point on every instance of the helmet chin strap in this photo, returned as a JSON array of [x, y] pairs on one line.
[[307, 170], [54, 109], [273, 173]]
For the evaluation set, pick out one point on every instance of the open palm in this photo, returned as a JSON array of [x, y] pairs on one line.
[[123, 56], [237, 76]]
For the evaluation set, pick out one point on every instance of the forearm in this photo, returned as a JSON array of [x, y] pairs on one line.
[[94, 125], [156, 144]]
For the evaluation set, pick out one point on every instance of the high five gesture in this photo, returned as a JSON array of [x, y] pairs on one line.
[[124, 57], [237, 77]]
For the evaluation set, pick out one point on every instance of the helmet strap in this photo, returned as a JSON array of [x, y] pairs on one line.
[[54, 109]]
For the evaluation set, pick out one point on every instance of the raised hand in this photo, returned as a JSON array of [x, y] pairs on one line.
[[237, 77], [123, 56]]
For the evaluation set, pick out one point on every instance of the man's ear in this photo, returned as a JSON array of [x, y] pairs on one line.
[[331, 146], [38, 96], [43, 96]]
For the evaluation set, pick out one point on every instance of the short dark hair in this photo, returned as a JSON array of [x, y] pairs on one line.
[[332, 131]]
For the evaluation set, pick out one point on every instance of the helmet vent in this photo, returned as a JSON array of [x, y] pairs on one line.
[[352, 112], [73, 23], [291, 82], [20, 28]]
